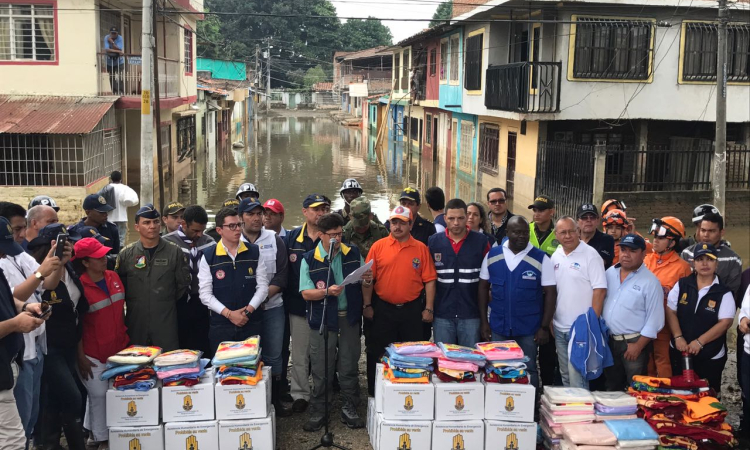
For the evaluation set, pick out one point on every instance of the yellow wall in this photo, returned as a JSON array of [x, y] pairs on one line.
[[69, 199]]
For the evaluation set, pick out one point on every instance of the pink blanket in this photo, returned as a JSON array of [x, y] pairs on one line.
[[501, 350], [444, 363], [170, 373], [588, 433]]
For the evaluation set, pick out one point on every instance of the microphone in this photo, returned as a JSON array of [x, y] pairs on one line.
[[330, 247]]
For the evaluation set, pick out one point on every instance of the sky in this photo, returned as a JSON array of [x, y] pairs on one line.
[[391, 9]]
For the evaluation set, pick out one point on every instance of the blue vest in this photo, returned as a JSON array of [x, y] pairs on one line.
[[457, 275], [318, 267], [517, 297], [297, 244], [234, 282]]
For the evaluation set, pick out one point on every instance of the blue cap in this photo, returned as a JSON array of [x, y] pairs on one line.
[[703, 248], [96, 202], [634, 241], [49, 233], [148, 212], [249, 204], [313, 200], [410, 193], [92, 232], [8, 245]]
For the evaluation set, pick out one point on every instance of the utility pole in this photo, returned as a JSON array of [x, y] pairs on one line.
[[256, 95], [147, 119], [157, 110], [720, 140], [268, 78]]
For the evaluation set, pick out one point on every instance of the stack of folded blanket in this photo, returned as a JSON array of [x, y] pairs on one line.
[[239, 362], [587, 436], [180, 367], [458, 363], [561, 405], [410, 362], [633, 434], [614, 405], [684, 413], [506, 362], [131, 368]]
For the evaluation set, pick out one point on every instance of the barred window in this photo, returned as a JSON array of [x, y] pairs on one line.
[[454, 57], [185, 136], [465, 161], [473, 63], [405, 70], [188, 52], [612, 49], [428, 129], [700, 49], [27, 32], [443, 60], [433, 62], [489, 146]]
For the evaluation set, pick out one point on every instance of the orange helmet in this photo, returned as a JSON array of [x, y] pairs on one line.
[[616, 217], [669, 226], [611, 204]]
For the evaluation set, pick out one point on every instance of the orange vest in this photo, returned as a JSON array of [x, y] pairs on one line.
[[668, 269]]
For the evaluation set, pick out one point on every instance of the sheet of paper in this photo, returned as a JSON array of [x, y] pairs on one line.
[[356, 276]]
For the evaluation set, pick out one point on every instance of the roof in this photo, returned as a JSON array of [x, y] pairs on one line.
[[221, 86], [381, 50], [323, 86], [31, 114], [222, 69], [437, 30]]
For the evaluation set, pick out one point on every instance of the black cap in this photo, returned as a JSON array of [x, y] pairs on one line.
[[586, 208], [231, 203], [313, 200], [113, 30], [148, 212], [96, 202], [542, 202], [633, 241], [92, 232], [249, 204], [411, 194], [703, 248], [8, 245], [49, 233], [173, 208]]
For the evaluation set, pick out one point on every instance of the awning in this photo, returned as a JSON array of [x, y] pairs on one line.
[[31, 114], [213, 106]]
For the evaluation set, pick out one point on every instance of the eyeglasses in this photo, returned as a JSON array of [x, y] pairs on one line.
[[497, 201], [232, 226], [335, 235]]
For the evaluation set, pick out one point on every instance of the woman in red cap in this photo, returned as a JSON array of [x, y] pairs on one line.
[[104, 332]]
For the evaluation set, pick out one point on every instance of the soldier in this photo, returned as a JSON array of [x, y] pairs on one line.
[[97, 209], [350, 190], [172, 217], [247, 190], [155, 274]]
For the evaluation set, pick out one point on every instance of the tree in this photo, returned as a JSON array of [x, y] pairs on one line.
[[444, 12], [314, 75], [361, 34]]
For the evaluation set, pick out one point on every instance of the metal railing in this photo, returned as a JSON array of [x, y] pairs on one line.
[[565, 172], [738, 167], [123, 75], [527, 87]]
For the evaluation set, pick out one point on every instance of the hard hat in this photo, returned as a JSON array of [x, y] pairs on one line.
[[669, 226], [350, 183], [616, 217], [702, 210], [245, 188], [612, 204], [44, 200]]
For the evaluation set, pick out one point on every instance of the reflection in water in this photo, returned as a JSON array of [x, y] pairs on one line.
[[291, 157]]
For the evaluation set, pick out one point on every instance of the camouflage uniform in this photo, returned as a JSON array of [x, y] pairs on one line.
[[360, 215]]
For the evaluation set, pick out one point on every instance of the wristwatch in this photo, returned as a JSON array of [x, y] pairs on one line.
[[429, 310], [39, 276]]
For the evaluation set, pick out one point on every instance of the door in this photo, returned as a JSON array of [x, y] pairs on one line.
[[510, 171]]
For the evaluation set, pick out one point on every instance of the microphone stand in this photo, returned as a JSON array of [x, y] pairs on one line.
[[326, 441]]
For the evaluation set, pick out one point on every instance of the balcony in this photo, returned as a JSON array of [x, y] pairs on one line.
[[524, 87], [125, 79]]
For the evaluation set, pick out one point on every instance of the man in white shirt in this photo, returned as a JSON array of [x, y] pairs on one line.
[[38, 217], [581, 284], [120, 197]]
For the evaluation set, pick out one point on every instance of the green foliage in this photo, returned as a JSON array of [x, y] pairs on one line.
[[444, 12], [361, 34], [314, 75]]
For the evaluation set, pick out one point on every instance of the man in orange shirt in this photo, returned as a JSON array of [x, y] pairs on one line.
[[402, 267], [668, 267]]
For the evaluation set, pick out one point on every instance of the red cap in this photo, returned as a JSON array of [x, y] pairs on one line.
[[274, 205], [89, 247]]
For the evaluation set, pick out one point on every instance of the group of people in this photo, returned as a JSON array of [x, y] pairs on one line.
[[464, 277]]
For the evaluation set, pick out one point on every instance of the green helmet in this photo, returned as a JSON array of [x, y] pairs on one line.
[[360, 211]]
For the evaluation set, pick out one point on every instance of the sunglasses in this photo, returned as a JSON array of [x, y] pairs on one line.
[[498, 201]]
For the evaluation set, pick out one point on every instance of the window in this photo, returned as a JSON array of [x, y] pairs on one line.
[[27, 32], [185, 136], [467, 146], [428, 130], [405, 70], [433, 62], [510, 168], [489, 145], [443, 59], [473, 63], [700, 48], [188, 52], [612, 49], [454, 57]]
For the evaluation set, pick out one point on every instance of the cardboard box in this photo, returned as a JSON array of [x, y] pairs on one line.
[[500, 435], [191, 435], [243, 401], [132, 408], [379, 370], [408, 401], [255, 434], [188, 403], [458, 401], [509, 402], [370, 413], [143, 438], [374, 434], [401, 434], [464, 434]]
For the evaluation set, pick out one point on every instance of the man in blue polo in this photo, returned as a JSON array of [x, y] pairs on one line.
[[521, 281], [458, 253]]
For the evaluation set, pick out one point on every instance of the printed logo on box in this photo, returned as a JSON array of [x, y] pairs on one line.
[[404, 442], [246, 443], [191, 443], [459, 403], [408, 403], [134, 444], [187, 403], [458, 442], [510, 405], [240, 402], [511, 442], [132, 409]]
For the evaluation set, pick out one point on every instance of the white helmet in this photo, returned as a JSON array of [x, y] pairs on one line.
[[245, 188], [351, 183]]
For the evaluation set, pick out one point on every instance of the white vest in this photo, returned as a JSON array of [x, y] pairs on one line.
[[266, 243]]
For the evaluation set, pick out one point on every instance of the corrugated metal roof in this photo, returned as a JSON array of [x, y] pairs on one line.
[[31, 114], [381, 50], [323, 86]]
